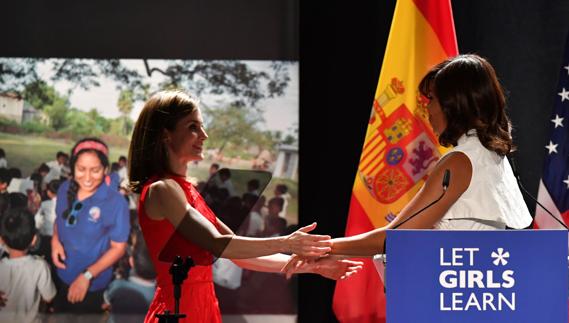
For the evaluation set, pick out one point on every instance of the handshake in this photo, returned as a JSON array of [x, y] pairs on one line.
[[311, 254]]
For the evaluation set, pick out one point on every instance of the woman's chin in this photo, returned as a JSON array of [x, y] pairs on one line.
[[88, 189], [196, 158]]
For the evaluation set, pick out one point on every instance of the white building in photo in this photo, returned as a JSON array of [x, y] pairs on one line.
[[286, 165], [11, 106]]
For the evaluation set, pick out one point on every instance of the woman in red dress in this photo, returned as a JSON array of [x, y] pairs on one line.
[[169, 134]]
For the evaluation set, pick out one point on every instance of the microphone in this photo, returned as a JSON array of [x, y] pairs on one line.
[[446, 181], [521, 186]]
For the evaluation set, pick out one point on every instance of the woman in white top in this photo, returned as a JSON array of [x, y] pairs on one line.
[[467, 111]]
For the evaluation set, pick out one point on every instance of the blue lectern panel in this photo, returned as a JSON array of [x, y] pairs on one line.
[[476, 276]]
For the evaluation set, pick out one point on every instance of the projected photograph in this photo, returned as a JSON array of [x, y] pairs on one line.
[[48, 106]]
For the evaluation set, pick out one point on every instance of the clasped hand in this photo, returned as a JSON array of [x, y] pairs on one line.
[[311, 256], [332, 267], [308, 245]]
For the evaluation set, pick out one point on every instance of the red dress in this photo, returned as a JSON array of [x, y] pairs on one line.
[[198, 300]]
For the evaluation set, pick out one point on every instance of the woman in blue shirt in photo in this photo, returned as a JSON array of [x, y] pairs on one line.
[[91, 230]]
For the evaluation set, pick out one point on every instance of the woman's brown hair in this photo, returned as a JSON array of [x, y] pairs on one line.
[[147, 155], [470, 97]]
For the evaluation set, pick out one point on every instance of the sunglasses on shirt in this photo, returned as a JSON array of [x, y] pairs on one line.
[[71, 217]]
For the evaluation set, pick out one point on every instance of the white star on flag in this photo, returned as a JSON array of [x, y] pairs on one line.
[[567, 181], [551, 147], [558, 121], [564, 94]]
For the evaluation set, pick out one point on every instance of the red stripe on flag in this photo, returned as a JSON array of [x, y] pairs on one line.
[[370, 150], [363, 288], [372, 139], [370, 173], [565, 217], [374, 159], [439, 16], [358, 221]]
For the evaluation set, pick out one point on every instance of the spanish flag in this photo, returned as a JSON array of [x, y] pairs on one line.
[[400, 147]]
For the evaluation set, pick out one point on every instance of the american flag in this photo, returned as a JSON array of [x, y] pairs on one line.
[[554, 184]]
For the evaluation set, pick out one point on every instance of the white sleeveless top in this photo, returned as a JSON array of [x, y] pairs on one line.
[[493, 199]]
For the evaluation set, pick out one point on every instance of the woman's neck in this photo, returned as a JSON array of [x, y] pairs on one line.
[[178, 167], [81, 195]]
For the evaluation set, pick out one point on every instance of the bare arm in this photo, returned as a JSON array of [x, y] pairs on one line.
[[271, 263], [115, 252], [78, 288], [329, 267], [372, 242], [57, 250], [111, 256], [167, 198]]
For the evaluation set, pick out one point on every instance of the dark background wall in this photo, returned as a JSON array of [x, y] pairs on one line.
[[340, 45], [196, 29]]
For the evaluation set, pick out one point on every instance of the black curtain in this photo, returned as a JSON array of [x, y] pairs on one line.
[[185, 29]]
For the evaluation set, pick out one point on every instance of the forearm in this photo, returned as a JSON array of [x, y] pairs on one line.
[[55, 233], [246, 247], [363, 245], [55, 237], [271, 264], [107, 259], [225, 244]]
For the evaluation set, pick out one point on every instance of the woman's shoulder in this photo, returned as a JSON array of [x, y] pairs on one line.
[[162, 189], [106, 194], [457, 159], [459, 166], [479, 155], [112, 193], [63, 188], [163, 184], [162, 195], [64, 185]]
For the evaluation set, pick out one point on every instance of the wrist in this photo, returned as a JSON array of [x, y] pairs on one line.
[[55, 241], [282, 245], [87, 274]]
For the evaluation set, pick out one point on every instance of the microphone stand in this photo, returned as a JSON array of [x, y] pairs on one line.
[[519, 180], [179, 271], [421, 210]]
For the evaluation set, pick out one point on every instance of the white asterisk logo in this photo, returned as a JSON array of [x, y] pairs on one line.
[[500, 257]]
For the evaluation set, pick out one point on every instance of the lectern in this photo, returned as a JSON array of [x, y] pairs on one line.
[[475, 276]]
